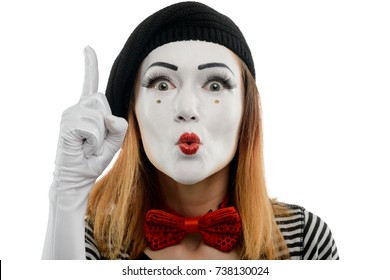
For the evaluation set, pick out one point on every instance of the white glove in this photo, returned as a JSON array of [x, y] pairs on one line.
[[89, 138]]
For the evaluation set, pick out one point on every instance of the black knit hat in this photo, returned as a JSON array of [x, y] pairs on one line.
[[179, 22]]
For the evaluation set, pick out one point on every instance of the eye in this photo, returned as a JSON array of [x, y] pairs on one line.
[[216, 84], [163, 85], [158, 82]]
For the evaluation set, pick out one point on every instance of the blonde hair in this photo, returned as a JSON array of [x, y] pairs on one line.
[[119, 200]]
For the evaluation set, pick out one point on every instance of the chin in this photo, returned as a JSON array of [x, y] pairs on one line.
[[188, 179], [189, 172]]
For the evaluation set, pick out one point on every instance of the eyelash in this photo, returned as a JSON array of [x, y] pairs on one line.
[[222, 78], [152, 78]]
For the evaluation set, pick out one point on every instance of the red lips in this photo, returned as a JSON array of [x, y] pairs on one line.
[[189, 143]]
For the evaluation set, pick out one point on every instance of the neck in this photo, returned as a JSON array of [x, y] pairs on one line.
[[197, 199]]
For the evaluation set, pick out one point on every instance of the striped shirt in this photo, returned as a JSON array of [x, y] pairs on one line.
[[306, 235]]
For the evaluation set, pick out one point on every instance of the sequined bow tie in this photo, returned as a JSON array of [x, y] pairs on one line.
[[219, 229]]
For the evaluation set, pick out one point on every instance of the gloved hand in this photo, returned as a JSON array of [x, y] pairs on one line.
[[89, 138]]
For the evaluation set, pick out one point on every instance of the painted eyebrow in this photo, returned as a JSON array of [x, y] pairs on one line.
[[164, 64], [214, 64]]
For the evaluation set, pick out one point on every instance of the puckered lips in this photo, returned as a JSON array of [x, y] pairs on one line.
[[189, 143]]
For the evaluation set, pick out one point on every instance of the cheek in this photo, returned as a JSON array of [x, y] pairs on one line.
[[225, 117], [153, 120], [152, 115], [223, 125]]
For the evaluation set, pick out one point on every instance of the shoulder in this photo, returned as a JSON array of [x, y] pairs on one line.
[[307, 236], [319, 243]]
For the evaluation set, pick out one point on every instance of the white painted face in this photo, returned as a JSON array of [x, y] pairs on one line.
[[189, 108]]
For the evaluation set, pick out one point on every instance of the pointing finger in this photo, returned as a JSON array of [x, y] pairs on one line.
[[91, 75]]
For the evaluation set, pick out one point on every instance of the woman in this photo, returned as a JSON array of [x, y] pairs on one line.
[[189, 180]]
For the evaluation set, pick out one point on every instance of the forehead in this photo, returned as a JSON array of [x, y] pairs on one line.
[[190, 54]]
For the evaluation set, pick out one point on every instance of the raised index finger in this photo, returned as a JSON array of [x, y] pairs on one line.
[[91, 75]]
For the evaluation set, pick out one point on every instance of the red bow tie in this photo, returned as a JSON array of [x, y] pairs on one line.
[[219, 229]]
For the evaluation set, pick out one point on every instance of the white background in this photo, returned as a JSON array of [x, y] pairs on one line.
[[323, 70]]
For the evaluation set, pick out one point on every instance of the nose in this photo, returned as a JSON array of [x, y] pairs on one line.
[[186, 108], [186, 116]]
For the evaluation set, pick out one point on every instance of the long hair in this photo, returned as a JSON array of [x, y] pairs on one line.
[[120, 199]]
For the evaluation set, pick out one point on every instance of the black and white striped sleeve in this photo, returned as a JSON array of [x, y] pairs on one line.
[[318, 242], [91, 251]]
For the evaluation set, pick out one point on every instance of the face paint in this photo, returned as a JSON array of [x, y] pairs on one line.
[[189, 109]]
